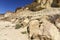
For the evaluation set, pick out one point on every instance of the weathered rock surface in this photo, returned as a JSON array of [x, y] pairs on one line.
[[29, 25]]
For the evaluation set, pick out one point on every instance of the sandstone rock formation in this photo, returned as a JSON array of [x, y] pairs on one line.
[[56, 3], [38, 5], [31, 23], [40, 25]]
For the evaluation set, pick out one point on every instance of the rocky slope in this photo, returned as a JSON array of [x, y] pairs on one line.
[[29, 25]]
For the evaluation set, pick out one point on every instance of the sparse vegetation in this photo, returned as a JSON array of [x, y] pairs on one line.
[[24, 32], [17, 26]]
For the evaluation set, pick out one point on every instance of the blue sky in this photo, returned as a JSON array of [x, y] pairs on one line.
[[11, 5]]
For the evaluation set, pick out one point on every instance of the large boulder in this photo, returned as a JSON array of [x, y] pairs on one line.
[[49, 30], [33, 29]]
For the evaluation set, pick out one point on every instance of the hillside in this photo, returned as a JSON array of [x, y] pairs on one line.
[[25, 24]]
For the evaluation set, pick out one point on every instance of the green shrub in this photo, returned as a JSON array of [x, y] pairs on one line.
[[18, 26]]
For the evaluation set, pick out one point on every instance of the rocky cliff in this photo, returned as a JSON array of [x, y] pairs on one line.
[[40, 25], [24, 24]]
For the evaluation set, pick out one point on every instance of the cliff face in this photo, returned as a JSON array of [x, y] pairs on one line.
[[24, 24]]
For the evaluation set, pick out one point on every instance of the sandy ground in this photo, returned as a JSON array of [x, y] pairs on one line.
[[9, 33]]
